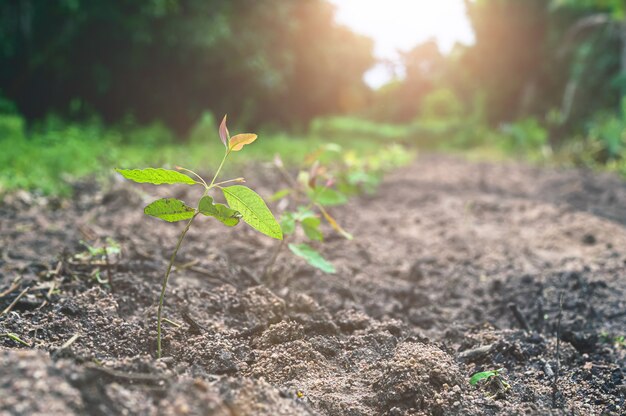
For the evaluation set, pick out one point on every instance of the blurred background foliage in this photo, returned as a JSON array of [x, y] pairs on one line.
[[85, 85], [270, 61]]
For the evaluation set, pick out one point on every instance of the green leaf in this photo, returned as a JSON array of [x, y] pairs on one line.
[[253, 210], [311, 226], [170, 210], [482, 375], [156, 176], [312, 257], [288, 223], [328, 197], [221, 212]]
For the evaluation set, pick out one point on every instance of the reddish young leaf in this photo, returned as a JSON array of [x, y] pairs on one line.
[[224, 134]]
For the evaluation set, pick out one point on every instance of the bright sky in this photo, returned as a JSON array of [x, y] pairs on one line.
[[401, 24]]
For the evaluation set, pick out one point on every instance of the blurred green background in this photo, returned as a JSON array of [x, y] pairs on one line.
[[89, 85]]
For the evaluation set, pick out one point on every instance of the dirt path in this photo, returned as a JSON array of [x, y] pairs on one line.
[[426, 295]]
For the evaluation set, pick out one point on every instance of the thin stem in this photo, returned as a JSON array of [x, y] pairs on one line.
[[219, 169], [165, 280], [241, 180], [193, 173], [270, 264], [169, 321]]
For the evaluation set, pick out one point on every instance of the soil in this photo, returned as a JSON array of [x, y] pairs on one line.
[[456, 268]]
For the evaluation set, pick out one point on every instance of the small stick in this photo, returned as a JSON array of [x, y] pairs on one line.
[[518, 315], [56, 270], [475, 353], [8, 308], [66, 345], [14, 285], [176, 324], [555, 385], [45, 302], [69, 342], [183, 266]]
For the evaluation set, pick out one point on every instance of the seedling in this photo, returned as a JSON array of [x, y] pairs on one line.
[[312, 200], [483, 375], [494, 382], [100, 256], [243, 203], [333, 176]]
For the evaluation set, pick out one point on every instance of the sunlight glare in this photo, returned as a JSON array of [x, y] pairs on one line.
[[401, 24]]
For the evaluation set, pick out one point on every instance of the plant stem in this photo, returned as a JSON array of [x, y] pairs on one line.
[[270, 264], [219, 169], [240, 180], [165, 280], [202, 182], [180, 240]]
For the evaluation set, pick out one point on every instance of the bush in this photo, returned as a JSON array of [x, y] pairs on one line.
[[527, 137], [607, 134], [442, 103]]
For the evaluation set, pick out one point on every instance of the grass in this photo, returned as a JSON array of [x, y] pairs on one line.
[[50, 155]]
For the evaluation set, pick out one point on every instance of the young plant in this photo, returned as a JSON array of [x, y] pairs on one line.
[[243, 203], [483, 375], [494, 382], [311, 201], [334, 176]]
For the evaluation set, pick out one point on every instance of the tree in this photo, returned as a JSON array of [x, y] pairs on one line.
[[267, 60]]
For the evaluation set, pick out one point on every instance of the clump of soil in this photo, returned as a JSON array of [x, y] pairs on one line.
[[456, 268]]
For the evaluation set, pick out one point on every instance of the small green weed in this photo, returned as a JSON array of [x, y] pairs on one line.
[[493, 382], [243, 203], [618, 341], [333, 175], [311, 193]]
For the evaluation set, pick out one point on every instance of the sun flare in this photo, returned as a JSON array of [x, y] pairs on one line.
[[401, 24]]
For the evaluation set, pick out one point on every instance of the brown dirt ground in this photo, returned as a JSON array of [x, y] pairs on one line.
[[422, 299]]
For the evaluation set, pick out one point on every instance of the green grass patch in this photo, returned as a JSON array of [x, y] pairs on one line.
[[48, 157]]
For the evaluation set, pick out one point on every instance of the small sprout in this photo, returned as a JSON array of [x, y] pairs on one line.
[[243, 203], [483, 375], [495, 384], [310, 198], [111, 247]]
